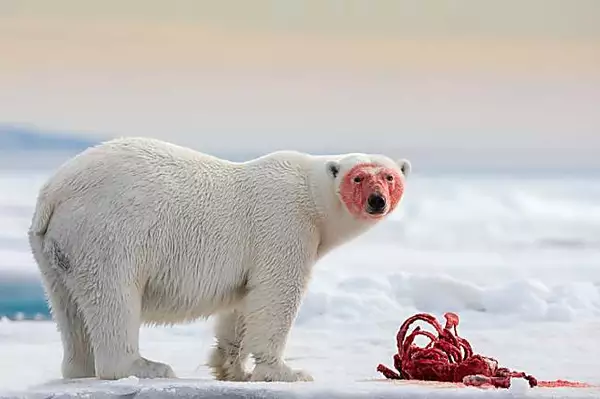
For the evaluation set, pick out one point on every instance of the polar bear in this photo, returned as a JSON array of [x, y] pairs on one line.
[[137, 230]]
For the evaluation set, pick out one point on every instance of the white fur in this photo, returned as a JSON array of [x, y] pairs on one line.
[[139, 231]]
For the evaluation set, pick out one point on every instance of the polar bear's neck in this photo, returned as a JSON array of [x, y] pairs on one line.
[[336, 225]]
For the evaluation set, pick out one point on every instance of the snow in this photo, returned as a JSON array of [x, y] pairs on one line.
[[516, 257], [133, 388]]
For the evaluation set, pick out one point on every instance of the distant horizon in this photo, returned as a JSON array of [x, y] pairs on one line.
[[425, 159]]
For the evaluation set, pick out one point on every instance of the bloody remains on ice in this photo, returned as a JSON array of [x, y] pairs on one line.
[[447, 358]]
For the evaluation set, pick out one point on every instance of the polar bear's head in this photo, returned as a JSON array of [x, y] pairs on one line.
[[369, 186]]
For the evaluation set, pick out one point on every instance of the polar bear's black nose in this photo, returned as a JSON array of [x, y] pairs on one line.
[[376, 203]]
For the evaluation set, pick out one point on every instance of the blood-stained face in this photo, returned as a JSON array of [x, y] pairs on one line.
[[371, 190]]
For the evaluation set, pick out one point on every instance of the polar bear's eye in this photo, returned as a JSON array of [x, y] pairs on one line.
[[357, 179], [389, 178]]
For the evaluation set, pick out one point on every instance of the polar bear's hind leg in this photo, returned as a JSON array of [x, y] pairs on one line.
[[111, 308], [78, 356]]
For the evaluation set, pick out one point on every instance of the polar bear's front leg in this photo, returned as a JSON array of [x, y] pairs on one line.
[[227, 359], [270, 309]]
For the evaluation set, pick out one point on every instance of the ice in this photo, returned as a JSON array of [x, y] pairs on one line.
[[519, 387], [515, 257], [211, 389]]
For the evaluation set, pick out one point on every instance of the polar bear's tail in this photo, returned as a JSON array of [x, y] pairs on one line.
[[39, 224]]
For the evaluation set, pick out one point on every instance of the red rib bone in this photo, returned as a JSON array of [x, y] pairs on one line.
[[450, 358]]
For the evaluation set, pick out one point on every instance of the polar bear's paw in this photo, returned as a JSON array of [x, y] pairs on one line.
[[226, 368], [144, 368], [278, 372]]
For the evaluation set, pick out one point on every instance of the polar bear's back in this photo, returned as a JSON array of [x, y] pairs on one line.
[[137, 184]]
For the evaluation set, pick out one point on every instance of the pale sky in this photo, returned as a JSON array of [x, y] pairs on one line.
[[485, 78]]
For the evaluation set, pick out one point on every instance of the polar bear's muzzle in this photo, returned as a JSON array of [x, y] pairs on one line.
[[376, 204]]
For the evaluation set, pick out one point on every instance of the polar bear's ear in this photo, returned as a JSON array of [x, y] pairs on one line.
[[405, 166], [333, 168]]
